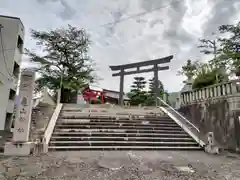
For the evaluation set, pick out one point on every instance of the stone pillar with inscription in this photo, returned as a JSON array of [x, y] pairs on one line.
[[24, 109], [20, 144]]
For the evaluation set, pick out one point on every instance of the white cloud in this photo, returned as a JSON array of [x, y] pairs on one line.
[[173, 29], [197, 14]]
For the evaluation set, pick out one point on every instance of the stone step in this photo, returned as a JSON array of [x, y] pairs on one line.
[[120, 130], [127, 123], [79, 126], [127, 111], [111, 114], [114, 118], [125, 148], [121, 143], [106, 138], [118, 134], [114, 129], [156, 121], [149, 111]]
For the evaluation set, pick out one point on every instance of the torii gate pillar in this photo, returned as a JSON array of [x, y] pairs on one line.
[[157, 93], [121, 102]]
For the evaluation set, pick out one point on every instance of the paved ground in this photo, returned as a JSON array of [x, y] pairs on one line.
[[122, 165]]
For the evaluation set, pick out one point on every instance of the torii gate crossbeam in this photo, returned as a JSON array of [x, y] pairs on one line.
[[121, 72]]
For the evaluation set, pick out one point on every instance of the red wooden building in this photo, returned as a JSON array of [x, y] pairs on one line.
[[93, 93], [106, 96]]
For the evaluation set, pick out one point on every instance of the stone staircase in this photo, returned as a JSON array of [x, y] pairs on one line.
[[117, 129]]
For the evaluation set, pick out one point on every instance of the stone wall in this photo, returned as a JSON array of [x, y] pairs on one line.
[[218, 115]]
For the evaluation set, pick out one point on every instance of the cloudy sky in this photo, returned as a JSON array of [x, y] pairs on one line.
[[126, 31]]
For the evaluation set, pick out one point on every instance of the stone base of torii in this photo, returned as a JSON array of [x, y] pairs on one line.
[[20, 145]]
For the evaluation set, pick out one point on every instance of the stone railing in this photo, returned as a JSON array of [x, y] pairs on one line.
[[217, 90], [50, 127]]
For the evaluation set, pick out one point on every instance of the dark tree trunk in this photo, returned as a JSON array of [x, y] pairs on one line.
[[68, 96]]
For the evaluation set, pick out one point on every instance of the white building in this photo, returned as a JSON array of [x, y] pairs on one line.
[[11, 48]]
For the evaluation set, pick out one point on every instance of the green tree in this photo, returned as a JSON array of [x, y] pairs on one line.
[[64, 62], [139, 83], [208, 46], [137, 95], [152, 86], [226, 53], [150, 101], [231, 45], [207, 75], [212, 47], [202, 74], [217, 62]]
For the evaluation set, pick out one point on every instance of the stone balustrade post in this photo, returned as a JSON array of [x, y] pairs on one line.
[[235, 84], [219, 91], [223, 89], [215, 91], [211, 91], [228, 88]]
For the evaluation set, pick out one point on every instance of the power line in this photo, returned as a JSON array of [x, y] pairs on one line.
[[140, 14]]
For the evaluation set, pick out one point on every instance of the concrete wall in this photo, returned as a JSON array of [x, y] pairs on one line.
[[12, 29], [44, 97], [218, 115]]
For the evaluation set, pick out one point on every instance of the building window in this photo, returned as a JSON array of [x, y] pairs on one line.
[[20, 44], [12, 94], [8, 121], [16, 70]]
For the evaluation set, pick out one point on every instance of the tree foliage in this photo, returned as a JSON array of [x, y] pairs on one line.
[[139, 83], [231, 46], [225, 60], [138, 95], [152, 86], [212, 47], [150, 100], [208, 46], [64, 59], [207, 75]]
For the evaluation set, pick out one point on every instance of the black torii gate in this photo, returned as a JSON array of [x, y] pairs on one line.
[[138, 65]]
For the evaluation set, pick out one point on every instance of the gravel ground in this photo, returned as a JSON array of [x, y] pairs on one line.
[[122, 165]]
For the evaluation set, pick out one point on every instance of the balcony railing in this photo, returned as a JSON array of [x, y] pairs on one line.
[[214, 91]]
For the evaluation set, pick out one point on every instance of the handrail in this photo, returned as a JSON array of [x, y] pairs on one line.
[[51, 124], [178, 114]]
